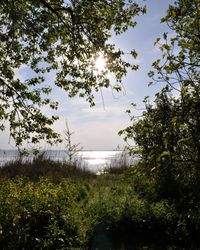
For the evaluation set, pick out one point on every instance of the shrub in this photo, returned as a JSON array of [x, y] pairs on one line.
[[41, 215]]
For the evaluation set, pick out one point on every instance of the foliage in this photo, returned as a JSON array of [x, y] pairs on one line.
[[62, 38], [107, 211], [42, 216], [42, 166], [119, 163], [168, 135]]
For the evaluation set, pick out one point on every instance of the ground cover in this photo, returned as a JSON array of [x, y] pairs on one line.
[[78, 210]]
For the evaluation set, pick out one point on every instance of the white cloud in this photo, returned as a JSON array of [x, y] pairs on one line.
[[97, 128]]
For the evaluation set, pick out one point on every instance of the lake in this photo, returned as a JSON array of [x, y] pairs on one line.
[[96, 161]]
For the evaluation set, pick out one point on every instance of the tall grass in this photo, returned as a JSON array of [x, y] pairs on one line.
[[46, 204], [42, 165], [119, 163]]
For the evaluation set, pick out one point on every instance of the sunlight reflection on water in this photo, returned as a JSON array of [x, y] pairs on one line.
[[96, 161]]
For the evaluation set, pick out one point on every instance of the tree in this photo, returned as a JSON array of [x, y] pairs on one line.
[[168, 133], [71, 148], [62, 36]]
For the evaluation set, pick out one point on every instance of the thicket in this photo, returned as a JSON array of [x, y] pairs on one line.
[[155, 204], [110, 211], [167, 135]]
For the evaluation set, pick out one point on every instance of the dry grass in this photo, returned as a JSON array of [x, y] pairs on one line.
[[119, 163], [42, 166]]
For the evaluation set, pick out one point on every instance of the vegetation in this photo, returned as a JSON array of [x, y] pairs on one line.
[[167, 136], [71, 148], [81, 211], [119, 163], [44, 166], [62, 38], [155, 204]]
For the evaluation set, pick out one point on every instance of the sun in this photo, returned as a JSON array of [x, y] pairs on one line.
[[100, 63]]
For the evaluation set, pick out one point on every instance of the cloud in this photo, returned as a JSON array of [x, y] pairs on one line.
[[96, 136], [97, 127]]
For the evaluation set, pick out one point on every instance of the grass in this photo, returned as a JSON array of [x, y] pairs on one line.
[[53, 205], [119, 163], [43, 166]]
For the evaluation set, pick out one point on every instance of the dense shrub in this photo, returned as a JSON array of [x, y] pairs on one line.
[[106, 212], [41, 215]]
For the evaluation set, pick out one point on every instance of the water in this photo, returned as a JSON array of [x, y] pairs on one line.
[[94, 160], [98, 160]]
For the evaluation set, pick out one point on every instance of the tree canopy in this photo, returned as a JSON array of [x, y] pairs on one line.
[[167, 136], [61, 36]]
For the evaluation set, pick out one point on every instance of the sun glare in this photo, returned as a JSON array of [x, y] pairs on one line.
[[100, 63]]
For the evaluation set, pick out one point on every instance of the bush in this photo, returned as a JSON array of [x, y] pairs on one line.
[[106, 212], [41, 215]]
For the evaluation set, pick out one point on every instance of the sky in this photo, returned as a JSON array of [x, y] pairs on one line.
[[97, 128]]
